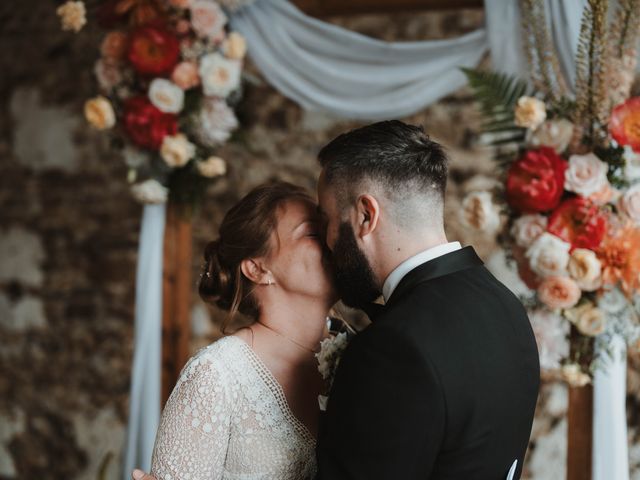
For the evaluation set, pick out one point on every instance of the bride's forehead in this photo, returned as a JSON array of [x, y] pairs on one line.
[[296, 210]]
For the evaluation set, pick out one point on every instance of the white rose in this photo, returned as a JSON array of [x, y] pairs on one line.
[[99, 113], [530, 112], [208, 19], [527, 228], [480, 213], [549, 255], [586, 175], [630, 203], [220, 76], [556, 134], [585, 269], [177, 150], [612, 301], [589, 320], [214, 122], [212, 167], [166, 95], [632, 164], [574, 376], [150, 191]]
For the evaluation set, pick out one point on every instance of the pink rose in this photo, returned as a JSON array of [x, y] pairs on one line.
[[108, 74], [586, 175], [185, 75], [208, 19], [559, 292], [528, 228]]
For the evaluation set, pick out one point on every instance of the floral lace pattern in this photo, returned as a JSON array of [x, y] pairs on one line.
[[227, 418]]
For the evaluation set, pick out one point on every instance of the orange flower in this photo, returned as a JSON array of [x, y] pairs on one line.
[[624, 124], [619, 254], [140, 12]]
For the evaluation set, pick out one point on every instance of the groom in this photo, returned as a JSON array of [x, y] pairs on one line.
[[443, 384]]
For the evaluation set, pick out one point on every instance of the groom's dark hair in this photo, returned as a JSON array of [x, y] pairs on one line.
[[400, 158]]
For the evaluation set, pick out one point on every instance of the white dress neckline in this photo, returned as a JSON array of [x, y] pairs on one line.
[[277, 390]]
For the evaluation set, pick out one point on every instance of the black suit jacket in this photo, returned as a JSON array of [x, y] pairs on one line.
[[442, 385]]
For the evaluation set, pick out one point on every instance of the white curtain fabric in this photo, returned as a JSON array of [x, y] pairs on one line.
[[326, 68], [144, 403]]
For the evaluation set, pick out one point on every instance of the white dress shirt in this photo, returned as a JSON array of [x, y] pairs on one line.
[[409, 264]]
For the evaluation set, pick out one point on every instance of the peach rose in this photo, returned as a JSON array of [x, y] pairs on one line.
[[212, 167], [586, 175], [177, 150], [530, 112], [185, 75], [559, 292], [99, 113], [528, 228], [588, 319], [630, 203], [235, 46], [585, 269], [114, 45]]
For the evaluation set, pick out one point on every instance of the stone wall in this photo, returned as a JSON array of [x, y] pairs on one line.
[[69, 232]]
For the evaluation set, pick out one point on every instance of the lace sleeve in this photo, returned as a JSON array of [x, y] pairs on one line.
[[193, 436]]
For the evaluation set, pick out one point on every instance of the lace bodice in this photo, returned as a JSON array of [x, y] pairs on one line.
[[227, 418]]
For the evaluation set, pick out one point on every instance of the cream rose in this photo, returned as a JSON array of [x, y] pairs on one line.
[[556, 134], [165, 95], [559, 292], [208, 19], [585, 269], [219, 76], [177, 150], [480, 213], [548, 255], [212, 167], [630, 203], [99, 113], [574, 376], [73, 15], [528, 228], [586, 175], [588, 319], [235, 46], [530, 112], [185, 75], [150, 191]]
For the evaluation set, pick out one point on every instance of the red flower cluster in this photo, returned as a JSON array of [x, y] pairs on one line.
[[145, 124], [579, 222], [535, 182], [153, 50]]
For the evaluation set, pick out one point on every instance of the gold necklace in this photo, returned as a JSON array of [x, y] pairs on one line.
[[287, 338]]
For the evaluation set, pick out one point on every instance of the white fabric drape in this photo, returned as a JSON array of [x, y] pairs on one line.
[[144, 403], [326, 68]]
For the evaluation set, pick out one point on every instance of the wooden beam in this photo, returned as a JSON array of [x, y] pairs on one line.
[[323, 8]]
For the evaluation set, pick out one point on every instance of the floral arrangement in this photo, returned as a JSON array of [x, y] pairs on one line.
[[169, 75], [570, 190]]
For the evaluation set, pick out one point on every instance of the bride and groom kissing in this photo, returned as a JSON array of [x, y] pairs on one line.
[[441, 385]]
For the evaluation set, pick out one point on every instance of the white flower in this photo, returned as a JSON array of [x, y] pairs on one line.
[[612, 301], [556, 134], [632, 164], [551, 331], [108, 74], [630, 203], [212, 167], [480, 213], [220, 76], [549, 255], [586, 175], [329, 356], [530, 112], [574, 376], [99, 113], [150, 191], [208, 19], [215, 122], [166, 95], [73, 15], [177, 150], [527, 228], [585, 269]]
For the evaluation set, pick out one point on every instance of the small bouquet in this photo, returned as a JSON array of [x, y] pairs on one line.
[[570, 190], [169, 75]]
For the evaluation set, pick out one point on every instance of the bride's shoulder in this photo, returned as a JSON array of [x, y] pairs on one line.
[[214, 359]]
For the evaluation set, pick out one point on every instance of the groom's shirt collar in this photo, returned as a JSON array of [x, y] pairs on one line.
[[409, 264]]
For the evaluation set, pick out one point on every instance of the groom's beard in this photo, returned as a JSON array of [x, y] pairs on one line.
[[354, 278]]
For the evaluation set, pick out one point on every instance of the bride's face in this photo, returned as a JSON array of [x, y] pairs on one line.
[[298, 260]]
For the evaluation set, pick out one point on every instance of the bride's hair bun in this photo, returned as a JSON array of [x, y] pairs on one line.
[[245, 233]]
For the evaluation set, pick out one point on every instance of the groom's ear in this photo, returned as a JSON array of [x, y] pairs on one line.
[[253, 269], [368, 214]]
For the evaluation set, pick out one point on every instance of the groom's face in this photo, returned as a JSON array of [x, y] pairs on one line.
[[353, 276]]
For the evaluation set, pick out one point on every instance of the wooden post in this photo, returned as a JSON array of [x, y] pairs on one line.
[[176, 297]]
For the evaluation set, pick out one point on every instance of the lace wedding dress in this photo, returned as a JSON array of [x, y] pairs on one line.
[[227, 418]]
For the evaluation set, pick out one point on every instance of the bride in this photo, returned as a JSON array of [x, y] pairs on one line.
[[246, 406]]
